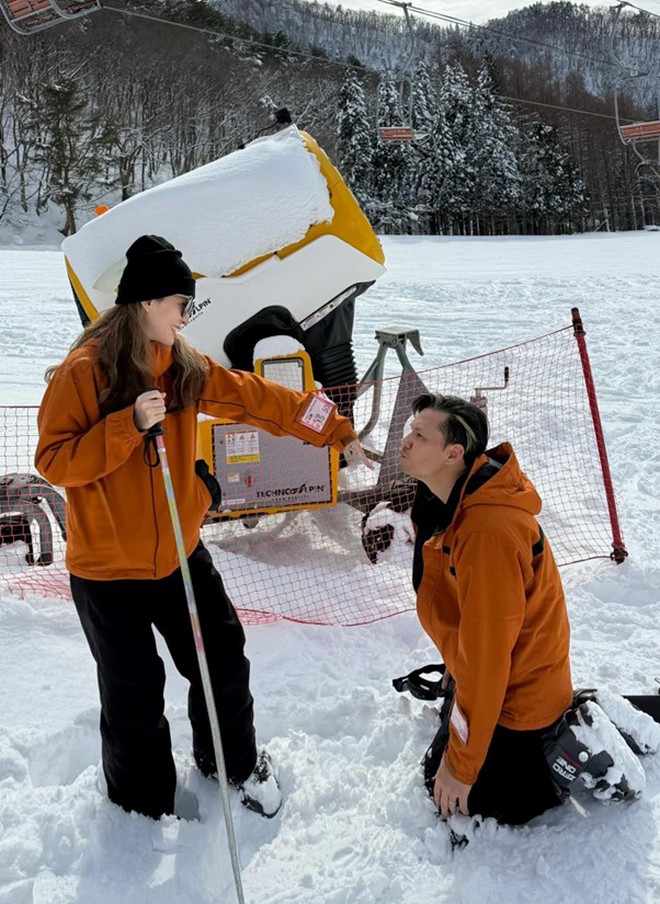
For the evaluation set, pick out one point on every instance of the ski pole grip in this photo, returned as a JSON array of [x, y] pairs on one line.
[[157, 429]]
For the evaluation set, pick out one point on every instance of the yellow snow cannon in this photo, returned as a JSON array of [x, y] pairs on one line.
[[278, 244]]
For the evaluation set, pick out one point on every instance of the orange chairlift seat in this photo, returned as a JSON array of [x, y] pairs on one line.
[[396, 133], [29, 16], [640, 131], [400, 133]]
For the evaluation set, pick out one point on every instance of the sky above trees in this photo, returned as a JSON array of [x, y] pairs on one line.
[[476, 10]]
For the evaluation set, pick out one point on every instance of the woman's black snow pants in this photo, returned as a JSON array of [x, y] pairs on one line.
[[117, 618]]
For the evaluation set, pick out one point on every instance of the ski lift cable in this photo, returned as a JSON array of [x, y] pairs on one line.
[[343, 64], [519, 100], [223, 34], [339, 63], [561, 108], [432, 14]]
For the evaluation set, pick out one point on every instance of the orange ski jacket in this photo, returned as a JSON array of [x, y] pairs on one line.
[[117, 516], [491, 599]]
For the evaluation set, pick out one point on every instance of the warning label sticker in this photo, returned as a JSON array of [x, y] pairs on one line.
[[242, 446]]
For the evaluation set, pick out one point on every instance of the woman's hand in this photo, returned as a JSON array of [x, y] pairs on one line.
[[354, 455], [149, 409]]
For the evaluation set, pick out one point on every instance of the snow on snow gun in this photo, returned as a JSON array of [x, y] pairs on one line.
[[154, 439]]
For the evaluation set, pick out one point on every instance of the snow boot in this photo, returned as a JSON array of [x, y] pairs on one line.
[[638, 729], [609, 767], [584, 744], [261, 791]]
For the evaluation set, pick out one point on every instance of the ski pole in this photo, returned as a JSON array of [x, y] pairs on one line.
[[155, 434]]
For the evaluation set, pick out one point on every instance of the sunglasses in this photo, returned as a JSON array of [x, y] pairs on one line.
[[187, 306]]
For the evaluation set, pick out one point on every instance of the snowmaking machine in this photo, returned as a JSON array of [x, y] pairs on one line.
[[277, 243], [279, 248]]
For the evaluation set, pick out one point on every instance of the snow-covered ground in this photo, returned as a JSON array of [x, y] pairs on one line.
[[357, 827]]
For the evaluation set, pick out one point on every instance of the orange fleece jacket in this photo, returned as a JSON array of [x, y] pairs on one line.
[[497, 614], [118, 521]]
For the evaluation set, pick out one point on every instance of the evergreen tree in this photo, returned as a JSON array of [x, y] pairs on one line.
[[495, 136], [454, 144], [432, 157], [424, 101], [392, 162], [76, 147], [476, 165], [553, 191], [355, 138]]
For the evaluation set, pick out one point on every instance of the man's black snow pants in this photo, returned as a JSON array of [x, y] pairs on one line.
[[117, 618], [514, 784]]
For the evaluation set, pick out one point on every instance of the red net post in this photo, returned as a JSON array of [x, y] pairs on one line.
[[619, 551]]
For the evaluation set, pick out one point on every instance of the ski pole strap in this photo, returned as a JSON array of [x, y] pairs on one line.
[[421, 687], [150, 454]]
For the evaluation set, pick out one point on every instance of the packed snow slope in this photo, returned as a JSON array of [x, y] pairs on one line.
[[356, 827]]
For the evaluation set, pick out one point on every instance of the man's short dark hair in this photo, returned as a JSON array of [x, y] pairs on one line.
[[466, 423]]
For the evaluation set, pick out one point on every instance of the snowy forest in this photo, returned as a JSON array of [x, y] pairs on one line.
[[516, 118]]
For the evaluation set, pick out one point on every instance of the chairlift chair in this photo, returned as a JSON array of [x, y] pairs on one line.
[[30, 16], [400, 133], [640, 131], [635, 133], [405, 132]]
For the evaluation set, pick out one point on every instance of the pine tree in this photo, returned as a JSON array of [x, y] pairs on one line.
[[355, 138], [75, 148], [455, 161], [553, 191], [475, 138], [391, 167], [495, 136], [433, 159]]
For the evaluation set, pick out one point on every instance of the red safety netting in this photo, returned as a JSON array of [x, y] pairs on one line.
[[350, 563]]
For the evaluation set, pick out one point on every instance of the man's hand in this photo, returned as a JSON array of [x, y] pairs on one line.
[[355, 455], [450, 795], [149, 409]]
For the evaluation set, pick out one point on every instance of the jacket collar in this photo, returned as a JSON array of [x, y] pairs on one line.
[[161, 358], [483, 469]]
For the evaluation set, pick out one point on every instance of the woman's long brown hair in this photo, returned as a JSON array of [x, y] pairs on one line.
[[124, 358]]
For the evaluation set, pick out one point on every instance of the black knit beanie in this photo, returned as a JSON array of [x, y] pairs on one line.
[[154, 270]]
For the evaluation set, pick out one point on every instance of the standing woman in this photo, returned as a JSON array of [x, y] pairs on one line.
[[121, 549]]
